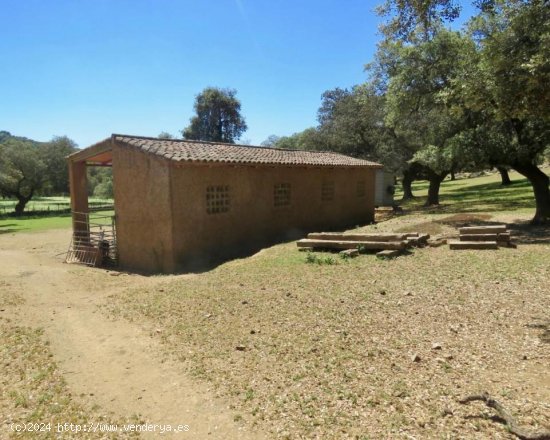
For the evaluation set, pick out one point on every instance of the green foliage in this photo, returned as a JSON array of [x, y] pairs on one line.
[[328, 260], [218, 117], [309, 139], [165, 135], [271, 141], [100, 182], [54, 155], [409, 19], [28, 167], [22, 171]]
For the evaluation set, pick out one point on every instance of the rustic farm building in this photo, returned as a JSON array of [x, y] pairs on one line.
[[184, 205]]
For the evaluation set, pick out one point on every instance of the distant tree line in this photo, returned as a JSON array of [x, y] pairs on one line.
[[29, 168]]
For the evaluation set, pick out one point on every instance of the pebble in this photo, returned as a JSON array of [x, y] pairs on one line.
[[415, 357], [436, 346], [240, 348]]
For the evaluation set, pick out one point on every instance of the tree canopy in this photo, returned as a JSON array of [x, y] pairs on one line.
[[218, 117], [28, 167]]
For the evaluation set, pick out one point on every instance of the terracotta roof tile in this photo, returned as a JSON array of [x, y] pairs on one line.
[[199, 151]]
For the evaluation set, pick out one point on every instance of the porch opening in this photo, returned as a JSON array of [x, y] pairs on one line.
[[93, 241]]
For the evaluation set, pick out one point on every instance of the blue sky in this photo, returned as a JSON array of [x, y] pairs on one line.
[[89, 68]]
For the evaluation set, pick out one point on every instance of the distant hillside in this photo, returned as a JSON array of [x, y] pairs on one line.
[[6, 135]]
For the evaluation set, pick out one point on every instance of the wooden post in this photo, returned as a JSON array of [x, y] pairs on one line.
[[78, 182]]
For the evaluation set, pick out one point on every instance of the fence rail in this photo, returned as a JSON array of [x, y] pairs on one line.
[[48, 208]]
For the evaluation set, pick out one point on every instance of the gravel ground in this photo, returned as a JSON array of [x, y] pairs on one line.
[[366, 348], [32, 391]]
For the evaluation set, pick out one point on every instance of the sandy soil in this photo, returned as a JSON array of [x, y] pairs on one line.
[[114, 364]]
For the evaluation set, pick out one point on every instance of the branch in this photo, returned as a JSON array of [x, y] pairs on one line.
[[520, 432]]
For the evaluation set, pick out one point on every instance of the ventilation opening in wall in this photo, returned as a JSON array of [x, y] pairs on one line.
[[281, 195], [217, 199], [327, 191], [361, 189]]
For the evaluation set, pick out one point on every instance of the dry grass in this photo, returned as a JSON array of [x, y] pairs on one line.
[[325, 351], [32, 389]]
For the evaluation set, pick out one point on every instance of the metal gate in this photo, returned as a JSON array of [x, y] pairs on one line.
[[94, 240]]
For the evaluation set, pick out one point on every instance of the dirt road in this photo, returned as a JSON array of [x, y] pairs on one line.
[[115, 364]]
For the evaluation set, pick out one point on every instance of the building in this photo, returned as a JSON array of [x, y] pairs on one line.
[[385, 188], [185, 205]]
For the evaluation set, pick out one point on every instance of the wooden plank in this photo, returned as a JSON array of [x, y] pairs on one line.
[[350, 252], [412, 234], [338, 236], [504, 237], [473, 245], [437, 242], [495, 229], [388, 254], [333, 244]]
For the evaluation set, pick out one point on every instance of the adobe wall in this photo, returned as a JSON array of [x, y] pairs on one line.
[[252, 221], [143, 211]]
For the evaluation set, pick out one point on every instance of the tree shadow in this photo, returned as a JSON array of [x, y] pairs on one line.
[[9, 228], [525, 233]]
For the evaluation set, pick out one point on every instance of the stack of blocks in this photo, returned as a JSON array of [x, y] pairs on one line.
[[483, 237]]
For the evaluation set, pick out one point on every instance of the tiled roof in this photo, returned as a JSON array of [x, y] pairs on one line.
[[199, 151]]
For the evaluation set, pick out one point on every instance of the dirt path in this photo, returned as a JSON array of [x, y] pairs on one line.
[[115, 363]]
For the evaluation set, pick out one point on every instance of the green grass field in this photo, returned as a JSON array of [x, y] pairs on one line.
[[46, 204], [479, 194], [42, 221]]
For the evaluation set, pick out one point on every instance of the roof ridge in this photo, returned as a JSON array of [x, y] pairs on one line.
[[226, 143]]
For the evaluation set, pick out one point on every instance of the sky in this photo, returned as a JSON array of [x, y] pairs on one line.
[[90, 68]]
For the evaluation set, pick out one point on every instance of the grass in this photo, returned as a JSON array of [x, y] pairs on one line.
[[33, 391], [38, 223], [325, 350], [41, 204], [479, 194], [33, 224]]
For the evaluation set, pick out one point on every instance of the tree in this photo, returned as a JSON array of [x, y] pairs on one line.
[[100, 182], [165, 135], [218, 117], [417, 76], [271, 141], [411, 19], [504, 85], [22, 171], [501, 87], [54, 155], [504, 176]]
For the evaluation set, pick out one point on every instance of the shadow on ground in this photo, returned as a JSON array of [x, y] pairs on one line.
[[7, 228]]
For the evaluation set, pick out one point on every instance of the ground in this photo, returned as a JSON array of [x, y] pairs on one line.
[[271, 346], [111, 369]]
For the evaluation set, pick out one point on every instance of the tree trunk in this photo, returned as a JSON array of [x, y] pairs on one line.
[[433, 190], [541, 189], [504, 176], [20, 206], [453, 177], [407, 185]]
